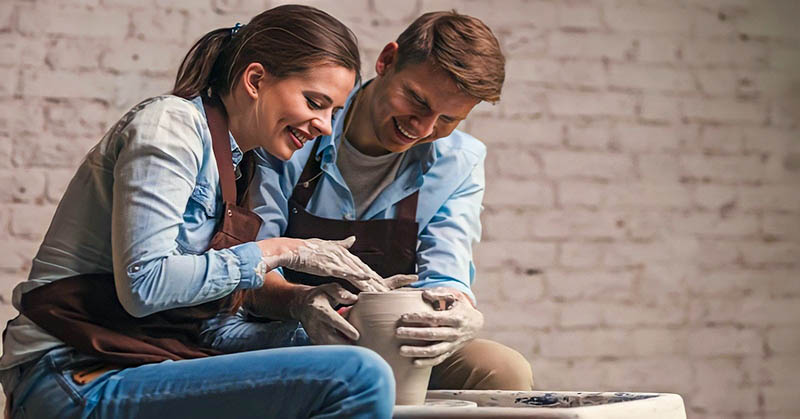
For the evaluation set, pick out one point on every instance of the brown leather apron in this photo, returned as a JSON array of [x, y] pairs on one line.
[[85, 313], [388, 246]]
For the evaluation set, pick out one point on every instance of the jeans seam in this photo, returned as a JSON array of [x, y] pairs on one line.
[[62, 382], [228, 386]]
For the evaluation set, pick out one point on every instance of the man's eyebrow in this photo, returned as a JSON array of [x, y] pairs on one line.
[[409, 91], [415, 96]]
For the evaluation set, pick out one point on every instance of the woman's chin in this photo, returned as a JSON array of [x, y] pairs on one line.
[[285, 153]]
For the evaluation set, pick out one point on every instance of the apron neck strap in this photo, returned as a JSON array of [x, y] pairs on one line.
[[220, 139], [308, 179], [407, 208]]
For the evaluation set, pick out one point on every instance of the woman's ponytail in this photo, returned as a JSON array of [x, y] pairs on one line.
[[196, 70], [286, 40]]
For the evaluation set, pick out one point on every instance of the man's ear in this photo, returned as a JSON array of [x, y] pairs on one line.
[[253, 77], [387, 58]]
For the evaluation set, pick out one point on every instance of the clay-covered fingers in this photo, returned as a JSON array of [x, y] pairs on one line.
[[432, 362], [432, 319], [446, 295], [336, 321], [430, 334], [399, 281], [338, 294], [346, 243], [355, 271], [323, 324], [429, 351]]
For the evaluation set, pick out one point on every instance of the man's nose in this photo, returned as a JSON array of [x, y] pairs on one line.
[[424, 124]]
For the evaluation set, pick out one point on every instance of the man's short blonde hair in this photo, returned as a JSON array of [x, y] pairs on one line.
[[461, 45]]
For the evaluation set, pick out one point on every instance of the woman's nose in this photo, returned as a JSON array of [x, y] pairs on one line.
[[322, 125]]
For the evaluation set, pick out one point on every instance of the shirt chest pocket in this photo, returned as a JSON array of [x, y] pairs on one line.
[[199, 220]]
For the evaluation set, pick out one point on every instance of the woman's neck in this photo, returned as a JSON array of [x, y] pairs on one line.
[[237, 112]]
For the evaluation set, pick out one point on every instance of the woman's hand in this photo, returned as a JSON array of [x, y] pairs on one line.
[[321, 257]]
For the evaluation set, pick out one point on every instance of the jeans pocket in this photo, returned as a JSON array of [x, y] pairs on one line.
[[62, 369]]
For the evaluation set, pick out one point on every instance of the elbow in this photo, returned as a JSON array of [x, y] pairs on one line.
[[131, 295], [133, 305]]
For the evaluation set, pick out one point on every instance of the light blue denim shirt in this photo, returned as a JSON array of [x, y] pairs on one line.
[[143, 204], [448, 173]]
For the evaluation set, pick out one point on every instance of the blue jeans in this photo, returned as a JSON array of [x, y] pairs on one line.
[[308, 381]]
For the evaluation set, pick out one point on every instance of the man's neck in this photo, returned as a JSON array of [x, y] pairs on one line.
[[359, 129]]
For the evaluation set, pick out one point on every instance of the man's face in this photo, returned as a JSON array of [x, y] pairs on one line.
[[417, 104]]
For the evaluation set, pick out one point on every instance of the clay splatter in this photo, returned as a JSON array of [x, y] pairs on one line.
[[589, 399]]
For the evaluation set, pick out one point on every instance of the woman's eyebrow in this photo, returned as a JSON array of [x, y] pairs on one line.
[[324, 97]]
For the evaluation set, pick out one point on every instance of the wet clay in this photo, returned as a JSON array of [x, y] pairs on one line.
[[375, 315]]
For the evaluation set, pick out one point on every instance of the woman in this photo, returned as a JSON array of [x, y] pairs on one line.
[[150, 242]]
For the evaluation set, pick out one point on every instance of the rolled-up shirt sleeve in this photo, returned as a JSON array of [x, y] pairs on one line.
[[154, 176], [444, 255]]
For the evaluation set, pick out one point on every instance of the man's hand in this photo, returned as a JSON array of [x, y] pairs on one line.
[[313, 307], [441, 332]]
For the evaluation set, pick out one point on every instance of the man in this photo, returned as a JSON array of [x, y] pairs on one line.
[[397, 174]]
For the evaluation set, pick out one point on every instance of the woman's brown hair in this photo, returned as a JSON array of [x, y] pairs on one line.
[[286, 40]]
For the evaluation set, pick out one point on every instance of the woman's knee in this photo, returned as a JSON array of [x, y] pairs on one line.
[[367, 385], [371, 369]]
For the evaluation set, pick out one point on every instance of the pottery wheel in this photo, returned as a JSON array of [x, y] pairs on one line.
[[449, 403]]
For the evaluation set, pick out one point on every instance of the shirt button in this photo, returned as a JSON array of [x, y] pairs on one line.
[[230, 213], [294, 210]]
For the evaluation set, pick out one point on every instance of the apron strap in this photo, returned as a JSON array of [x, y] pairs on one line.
[[220, 139], [304, 189], [407, 208], [308, 179]]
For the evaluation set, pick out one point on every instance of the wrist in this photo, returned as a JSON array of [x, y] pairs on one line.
[[278, 251], [297, 299]]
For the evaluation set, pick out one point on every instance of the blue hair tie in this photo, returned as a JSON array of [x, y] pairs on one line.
[[236, 28]]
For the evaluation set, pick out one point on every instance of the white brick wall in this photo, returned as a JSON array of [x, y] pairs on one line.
[[642, 223]]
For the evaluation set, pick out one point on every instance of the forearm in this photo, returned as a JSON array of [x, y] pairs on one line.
[[174, 281], [273, 299]]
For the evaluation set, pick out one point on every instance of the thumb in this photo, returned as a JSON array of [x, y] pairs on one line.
[[400, 280], [346, 243], [338, 294]]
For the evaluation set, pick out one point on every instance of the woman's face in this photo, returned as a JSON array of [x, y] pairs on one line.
[[290, 111]]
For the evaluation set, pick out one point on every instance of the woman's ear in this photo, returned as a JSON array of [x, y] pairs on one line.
[[253, 78]]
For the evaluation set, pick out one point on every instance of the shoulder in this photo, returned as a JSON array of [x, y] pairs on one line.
[[164, 119], [459, 152], [161, 126], [462, 145], [164, 109]]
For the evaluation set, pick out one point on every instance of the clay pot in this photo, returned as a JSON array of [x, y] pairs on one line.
[[375, 316]]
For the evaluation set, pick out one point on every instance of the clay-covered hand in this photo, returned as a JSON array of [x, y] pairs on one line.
[[313, 307], [399, 280], [323, 258], [442, 332]]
